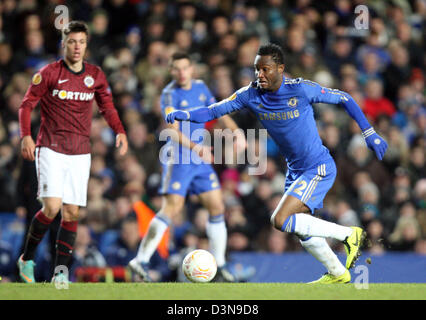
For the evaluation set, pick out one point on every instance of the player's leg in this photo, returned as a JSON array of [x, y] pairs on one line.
[[171, 206], [216, 227], [292, 215], [304, 193], [291, 212], [49, 171], [38, 228], [65, 239], [174, 184], [77, 172]]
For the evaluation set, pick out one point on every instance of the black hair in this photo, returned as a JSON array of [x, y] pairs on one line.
[[179, 56], [273, 50], [75, 26]]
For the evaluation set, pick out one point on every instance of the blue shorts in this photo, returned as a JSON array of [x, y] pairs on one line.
[[188, 178], [311, 186]]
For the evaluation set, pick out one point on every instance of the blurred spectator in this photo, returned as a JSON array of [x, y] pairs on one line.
[[309, 65], [144, 147], [407, 229], [360, 158], [339, 54], [376, 237], [345, 215], [398, 150], [370, 69], [98, 208], [7, 262], [398, 71], [126, 246], [277, 242], [404, 34], [85, 253], [416, 166], [420, 247], [123, 211], [375, 104], [99, 45], [294, 45]]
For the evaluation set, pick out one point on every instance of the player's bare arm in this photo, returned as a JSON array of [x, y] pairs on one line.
[[203, 151], [28, 148], [121, 142], [240, 142]]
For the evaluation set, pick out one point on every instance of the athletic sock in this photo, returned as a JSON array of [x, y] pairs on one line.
[[65, 242], [305, 225], [39, 225], [150, 242], [217, 235], [319, 248]]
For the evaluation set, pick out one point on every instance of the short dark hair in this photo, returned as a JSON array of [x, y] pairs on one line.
[[273, 50], [75, 26], [179, 56]]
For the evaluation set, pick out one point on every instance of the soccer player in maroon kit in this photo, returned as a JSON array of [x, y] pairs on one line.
[[66, 90]]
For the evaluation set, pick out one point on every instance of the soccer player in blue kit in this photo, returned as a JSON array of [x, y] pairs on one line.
[[187, 169], [284, 108]]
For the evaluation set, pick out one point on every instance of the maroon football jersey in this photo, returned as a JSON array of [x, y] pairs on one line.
[[66, 99]]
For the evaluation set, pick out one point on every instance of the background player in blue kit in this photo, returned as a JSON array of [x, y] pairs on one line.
[[187, 170], [284, 108]]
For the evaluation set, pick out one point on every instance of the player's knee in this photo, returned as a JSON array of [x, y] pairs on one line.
[[70, 213], [276, 221], [216, 208], [51, 209], [282, 221], [171, 209]]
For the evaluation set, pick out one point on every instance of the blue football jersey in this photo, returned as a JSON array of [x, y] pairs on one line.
[[288, 116], [174, 97]]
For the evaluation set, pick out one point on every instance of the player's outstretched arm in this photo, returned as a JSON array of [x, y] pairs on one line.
[[205, 114], [199, 115], [372, 139], [318, 94]]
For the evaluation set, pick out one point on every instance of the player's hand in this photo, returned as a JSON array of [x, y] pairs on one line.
[[375, 142], [121, 139], [28, 148], [177, 115]]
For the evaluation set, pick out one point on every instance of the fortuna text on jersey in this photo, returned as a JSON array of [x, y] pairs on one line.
[[71, 95]]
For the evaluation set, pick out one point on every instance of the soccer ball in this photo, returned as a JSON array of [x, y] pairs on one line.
[[199, 266]]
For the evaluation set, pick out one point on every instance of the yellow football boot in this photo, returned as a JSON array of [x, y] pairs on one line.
[[353, 245], [329, 279]]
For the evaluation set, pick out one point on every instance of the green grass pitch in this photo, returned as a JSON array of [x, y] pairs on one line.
[[212, 291]]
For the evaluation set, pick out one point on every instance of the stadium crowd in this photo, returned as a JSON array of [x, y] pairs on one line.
[[382, 67]]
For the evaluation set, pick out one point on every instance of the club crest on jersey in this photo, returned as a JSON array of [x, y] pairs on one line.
[[36, 78], [292, 102], [176, 185], [184, 103], [202, 97], [88, 81]]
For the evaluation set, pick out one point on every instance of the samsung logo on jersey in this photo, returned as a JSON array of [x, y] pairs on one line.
[[279, 115], [71, 95]]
